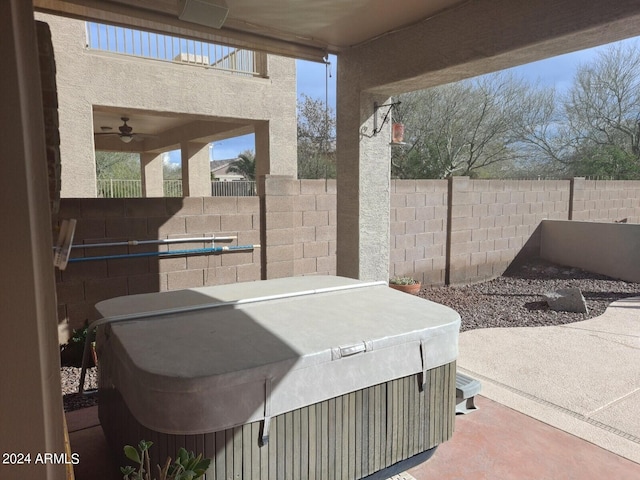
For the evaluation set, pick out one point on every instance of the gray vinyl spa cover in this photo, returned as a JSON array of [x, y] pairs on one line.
[[250, 351]]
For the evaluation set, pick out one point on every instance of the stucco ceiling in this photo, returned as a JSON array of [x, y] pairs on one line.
[[159, 131], [305, 28], [335, 24]]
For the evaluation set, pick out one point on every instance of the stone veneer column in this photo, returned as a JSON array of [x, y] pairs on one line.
[[50, 108], [196, 170], [31, 416], [152, 175]]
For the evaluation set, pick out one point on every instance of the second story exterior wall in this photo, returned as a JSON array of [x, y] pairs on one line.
[[88, 77]]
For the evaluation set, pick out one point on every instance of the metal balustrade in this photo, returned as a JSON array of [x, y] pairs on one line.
[[116, 188], [172, 188], [120, 188], [139, 43], [233, 189]]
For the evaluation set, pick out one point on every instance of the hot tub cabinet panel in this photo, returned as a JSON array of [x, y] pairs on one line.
[[354, 435], [278, 379]]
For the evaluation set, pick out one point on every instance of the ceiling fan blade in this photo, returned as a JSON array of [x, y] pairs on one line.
[[144, 135]]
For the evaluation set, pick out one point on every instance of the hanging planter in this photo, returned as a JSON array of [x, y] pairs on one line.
[[397, 133]]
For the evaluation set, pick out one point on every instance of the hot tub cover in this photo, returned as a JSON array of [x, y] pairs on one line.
[[216, 368]]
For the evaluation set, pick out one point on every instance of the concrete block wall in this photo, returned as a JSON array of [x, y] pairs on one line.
[[492, 220], [315, 222], [278, 234], [442, 231], [606, 200], [83, 284], [418, 219]]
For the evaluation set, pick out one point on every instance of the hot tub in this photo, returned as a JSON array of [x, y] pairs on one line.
[[283, 378]]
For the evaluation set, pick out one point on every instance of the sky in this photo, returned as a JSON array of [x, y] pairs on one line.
[[314, 78]]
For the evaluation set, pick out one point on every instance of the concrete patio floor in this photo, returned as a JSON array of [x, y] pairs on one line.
[[583, 377]]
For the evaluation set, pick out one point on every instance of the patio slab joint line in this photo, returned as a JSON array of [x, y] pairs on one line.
[[570, 326], [566, 411], [613, 402]]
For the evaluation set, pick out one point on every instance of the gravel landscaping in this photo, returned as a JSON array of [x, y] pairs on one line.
[[71, 399], [516, 298], [512, 300]]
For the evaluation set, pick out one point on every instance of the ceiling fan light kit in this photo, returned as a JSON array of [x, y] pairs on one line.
[[125, 131]]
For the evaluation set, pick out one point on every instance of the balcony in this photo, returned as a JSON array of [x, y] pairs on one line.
[[165, 48]]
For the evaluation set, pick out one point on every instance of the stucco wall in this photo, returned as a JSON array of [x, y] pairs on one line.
[[90, 77], [612, 249]]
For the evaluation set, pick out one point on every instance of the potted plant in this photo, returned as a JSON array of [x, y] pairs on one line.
[[72, 351], [405, 284]]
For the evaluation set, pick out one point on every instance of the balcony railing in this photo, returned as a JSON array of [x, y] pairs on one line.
[[233, 189], [172, 188], [117, 188], [168, 48]]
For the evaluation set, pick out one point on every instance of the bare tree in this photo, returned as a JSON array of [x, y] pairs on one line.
[[316, 139], [594, 129], [603, 112], [460, 128]]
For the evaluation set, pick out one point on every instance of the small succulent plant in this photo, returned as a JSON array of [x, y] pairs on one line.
[[187, 465], [402, 281]]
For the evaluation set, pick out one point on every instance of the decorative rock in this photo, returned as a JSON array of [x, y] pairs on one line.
[[567, 300]]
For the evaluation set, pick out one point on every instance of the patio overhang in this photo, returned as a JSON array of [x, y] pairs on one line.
[[160, 20]]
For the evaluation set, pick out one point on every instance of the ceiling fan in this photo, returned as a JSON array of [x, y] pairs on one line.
[[125, 133]]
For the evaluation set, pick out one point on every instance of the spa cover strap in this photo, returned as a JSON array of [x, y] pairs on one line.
[[423, 354], [264, 437]]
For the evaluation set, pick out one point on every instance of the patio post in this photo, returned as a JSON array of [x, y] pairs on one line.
[[196, 173], [152, 175], [363, 182]]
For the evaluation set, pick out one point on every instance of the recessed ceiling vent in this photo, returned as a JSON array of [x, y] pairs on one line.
[[210, 13]]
